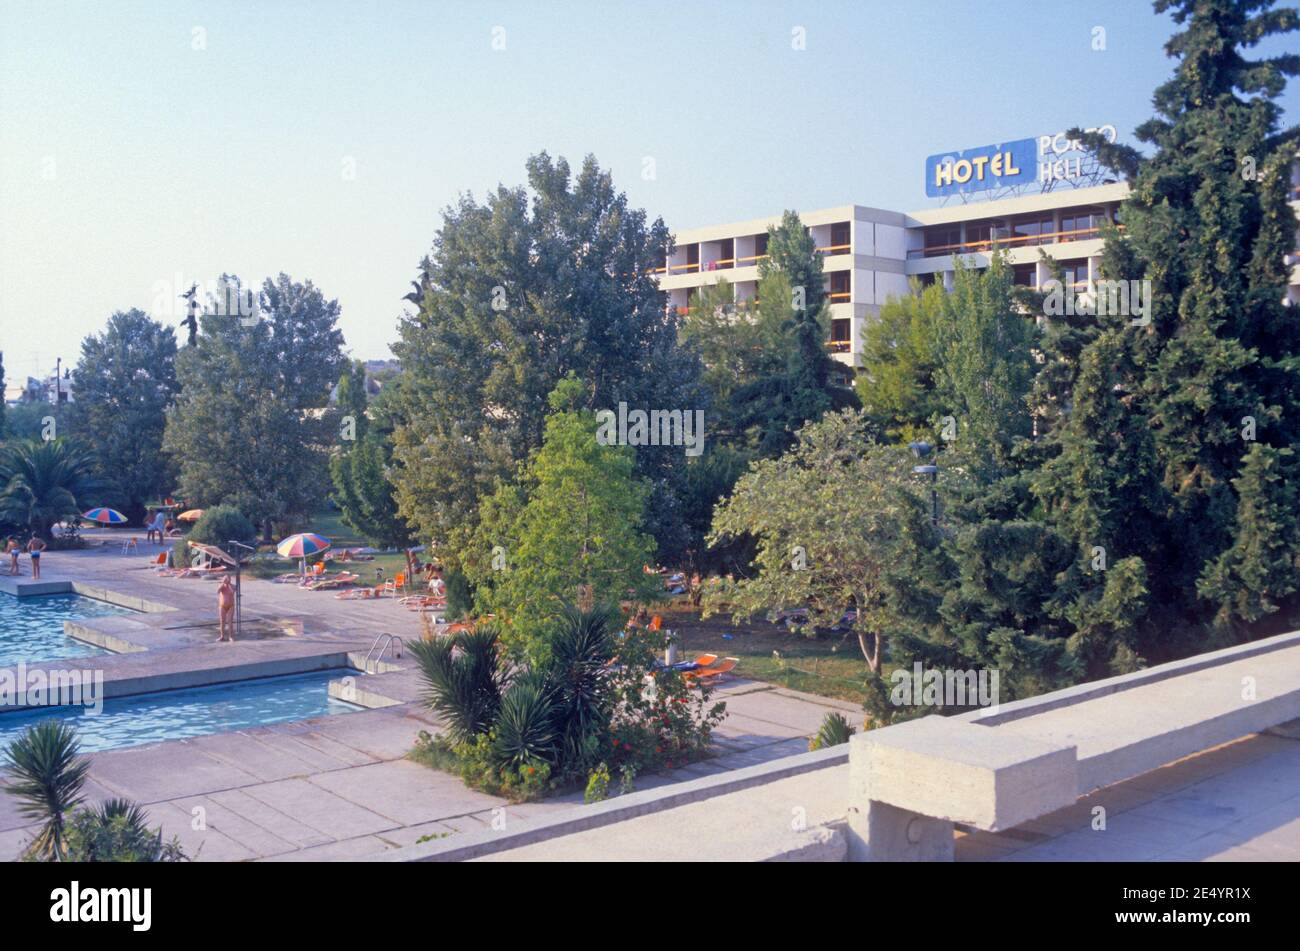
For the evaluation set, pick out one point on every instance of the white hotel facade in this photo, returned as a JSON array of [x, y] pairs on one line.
[[870, 254]]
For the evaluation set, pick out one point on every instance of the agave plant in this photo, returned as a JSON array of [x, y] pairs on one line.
[[834, 731], [581, 648], [525, 727], [463, 680], [46, 775]]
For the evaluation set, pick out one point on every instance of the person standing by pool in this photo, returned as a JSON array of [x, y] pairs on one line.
[[34, 548], [226, 609], [14, 550]]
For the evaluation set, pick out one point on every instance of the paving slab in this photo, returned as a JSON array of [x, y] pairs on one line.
[[318, 808]]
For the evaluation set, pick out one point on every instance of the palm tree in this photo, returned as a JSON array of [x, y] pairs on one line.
[[43, 482], [47, 775]]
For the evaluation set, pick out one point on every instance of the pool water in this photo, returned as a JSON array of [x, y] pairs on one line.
[[194, 711], [31, 629]]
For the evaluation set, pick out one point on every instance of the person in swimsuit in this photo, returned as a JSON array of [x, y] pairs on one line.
[[34, 548], [226, 609], [14, 550]]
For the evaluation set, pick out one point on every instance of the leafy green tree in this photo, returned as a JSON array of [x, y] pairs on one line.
[[250, 426], [837, 520], [126, 379], [791, 295], [352, 400], [1256, 575], [360, 468], [364, 494], [2, 389], [517, 292], [43, 483], [1214, 364], [46, 776], [986, 364], [898, 383], [569, 530], [738, 343]]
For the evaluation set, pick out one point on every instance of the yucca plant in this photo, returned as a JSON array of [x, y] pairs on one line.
[[525, 727], [463, 680], [834, 731], [581, 648], [47, 775]]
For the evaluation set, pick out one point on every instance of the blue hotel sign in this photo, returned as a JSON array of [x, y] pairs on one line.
[[976, 170]]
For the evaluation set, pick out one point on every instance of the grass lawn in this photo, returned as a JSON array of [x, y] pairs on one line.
[[831, 666], [330, 525]]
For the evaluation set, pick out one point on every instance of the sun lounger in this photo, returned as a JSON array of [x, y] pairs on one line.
[[423, 602], [711, 674], [338, 581], [361, 594]]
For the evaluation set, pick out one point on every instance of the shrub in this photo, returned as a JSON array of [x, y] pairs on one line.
[[834, 731], [597, 784], [666, 724], [460, 595], [222, 524], [180, 553], [597, 703], [463, 680], [525, 726], [118, 831], [580, 651]]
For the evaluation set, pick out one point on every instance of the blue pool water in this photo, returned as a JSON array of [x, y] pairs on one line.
[[196, 711], [31, 629]]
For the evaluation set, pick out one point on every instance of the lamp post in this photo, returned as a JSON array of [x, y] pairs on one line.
[[922, 452]]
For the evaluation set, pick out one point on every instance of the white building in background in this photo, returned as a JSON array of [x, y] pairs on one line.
[[871, 254]]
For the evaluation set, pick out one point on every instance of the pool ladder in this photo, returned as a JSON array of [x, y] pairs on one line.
[[382, 643]]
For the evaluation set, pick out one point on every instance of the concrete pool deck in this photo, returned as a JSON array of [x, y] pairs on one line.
[[335, 787]]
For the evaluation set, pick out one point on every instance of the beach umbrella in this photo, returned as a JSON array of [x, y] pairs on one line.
[[193, 515], [302, 545], [105, 516]]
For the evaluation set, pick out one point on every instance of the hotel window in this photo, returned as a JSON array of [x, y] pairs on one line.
[[1022, 275], [1027, 232], [1075, 273], [925, 280], [979, 233], [1081, 223], [840, 287], [941, 240], [727, 253], [840, 238], [760, 245], [692, 257], [841, 331]]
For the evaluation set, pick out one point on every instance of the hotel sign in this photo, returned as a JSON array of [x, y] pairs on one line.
[[1047, 160]]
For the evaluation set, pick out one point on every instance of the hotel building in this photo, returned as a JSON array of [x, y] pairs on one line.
[[871, 255]]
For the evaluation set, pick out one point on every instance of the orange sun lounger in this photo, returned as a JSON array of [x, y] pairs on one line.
[[711, 673]]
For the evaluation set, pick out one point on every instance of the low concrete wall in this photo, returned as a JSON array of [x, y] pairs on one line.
[[1069, 696], [582, 818]]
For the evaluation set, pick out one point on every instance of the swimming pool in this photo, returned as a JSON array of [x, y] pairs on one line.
[[194, 711], [31, 629]]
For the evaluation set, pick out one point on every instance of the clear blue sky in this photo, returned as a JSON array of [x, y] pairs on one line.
[[169, 160]]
